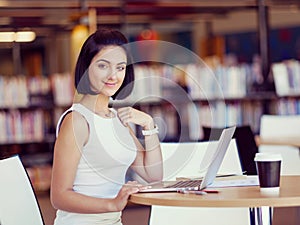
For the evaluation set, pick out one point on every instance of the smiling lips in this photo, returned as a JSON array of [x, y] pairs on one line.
[[110, 84]]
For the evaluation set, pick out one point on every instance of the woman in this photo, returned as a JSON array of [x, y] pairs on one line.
[[95, 145]]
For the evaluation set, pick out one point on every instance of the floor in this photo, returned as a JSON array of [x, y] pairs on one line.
[[48, 212]]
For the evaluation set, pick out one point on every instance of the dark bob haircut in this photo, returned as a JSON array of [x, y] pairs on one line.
[[93, 45]]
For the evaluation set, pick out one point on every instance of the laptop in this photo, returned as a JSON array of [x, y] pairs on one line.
[[210, 174]]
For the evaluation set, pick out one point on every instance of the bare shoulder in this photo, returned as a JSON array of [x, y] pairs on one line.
[[74, 121]]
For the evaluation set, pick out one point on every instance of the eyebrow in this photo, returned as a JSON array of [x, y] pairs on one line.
[[104, 60]]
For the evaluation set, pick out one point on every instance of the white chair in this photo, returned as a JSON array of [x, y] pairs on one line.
[[183, 160], [290, 164], [280, 128], [18, 204]]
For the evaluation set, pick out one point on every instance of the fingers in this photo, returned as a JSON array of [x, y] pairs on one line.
[[121, 200], [125, 115], [132, 183], [130, 115], [127, 189], [135, 185]]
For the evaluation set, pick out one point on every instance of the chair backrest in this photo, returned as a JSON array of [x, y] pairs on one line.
[[18, 203], [185, 159], [245, 142], [279, 126]]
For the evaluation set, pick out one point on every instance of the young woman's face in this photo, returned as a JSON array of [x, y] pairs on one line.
[[107, 70]]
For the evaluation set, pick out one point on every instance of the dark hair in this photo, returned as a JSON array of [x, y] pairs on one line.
[[93, 44]]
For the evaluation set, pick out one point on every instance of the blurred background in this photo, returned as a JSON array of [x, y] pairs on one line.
[[252, 47]]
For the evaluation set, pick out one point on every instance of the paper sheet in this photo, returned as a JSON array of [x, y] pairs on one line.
[[240, 182]]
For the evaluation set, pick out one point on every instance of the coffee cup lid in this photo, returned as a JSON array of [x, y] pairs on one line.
[[267, 157]]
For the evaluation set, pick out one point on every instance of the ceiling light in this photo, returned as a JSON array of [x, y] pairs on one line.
[[20, 36], [24, 36], [7, 36]]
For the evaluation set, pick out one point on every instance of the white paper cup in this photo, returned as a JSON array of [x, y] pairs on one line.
[[268, 166]]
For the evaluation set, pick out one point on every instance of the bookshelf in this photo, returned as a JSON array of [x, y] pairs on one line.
[[28, 115], [238, 104], [286, 79], [172, 97], [183, 98], [27, 106]]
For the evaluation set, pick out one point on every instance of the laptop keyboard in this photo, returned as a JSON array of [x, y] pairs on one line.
[[186, 184]]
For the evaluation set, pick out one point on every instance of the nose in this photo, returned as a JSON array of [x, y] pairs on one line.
[[112, 73]]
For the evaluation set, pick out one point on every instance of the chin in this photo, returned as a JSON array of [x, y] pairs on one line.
[[108, 94]]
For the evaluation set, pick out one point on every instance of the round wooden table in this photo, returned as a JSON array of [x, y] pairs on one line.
[[229, 197]]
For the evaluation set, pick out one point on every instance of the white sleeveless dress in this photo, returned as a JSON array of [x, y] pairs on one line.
[[105, 159]]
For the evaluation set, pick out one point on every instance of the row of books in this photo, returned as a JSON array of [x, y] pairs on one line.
[[287, 77], [219, 114], [290, 106], [153, 82], [38, 85], [200, 81], [222, 82], [16, 91], [203, 82], [147, 85], [17, 127], [63, 89], [173, 120]]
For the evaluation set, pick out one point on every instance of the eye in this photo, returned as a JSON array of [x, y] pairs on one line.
[[121, 68], [102, 66]]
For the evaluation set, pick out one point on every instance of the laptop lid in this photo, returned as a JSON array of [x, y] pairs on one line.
[[218, 157], [215, 161]]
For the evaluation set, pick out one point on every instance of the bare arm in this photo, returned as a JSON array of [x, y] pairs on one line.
[[72, 136], [148, 163]]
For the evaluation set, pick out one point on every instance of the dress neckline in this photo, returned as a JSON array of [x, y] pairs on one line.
[[112, 112]]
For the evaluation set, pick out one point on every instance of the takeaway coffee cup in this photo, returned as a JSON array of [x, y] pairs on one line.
[[268, 167]]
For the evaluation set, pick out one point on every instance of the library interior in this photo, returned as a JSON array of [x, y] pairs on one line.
[[200, 67]]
